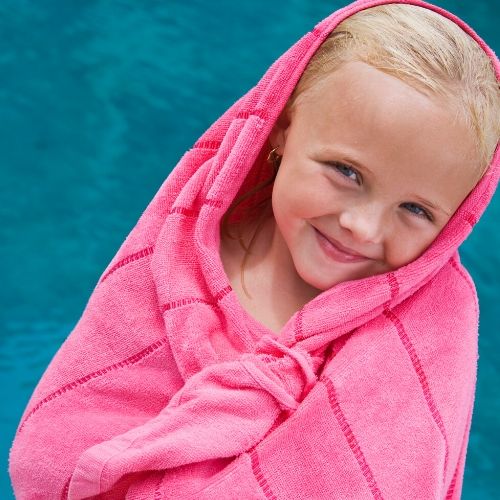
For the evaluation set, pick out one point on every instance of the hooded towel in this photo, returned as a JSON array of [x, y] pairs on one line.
[[168, 388]]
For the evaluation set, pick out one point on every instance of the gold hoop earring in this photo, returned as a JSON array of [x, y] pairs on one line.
[[274, 159]]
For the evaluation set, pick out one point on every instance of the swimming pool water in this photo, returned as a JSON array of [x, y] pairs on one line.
[[90, 94]]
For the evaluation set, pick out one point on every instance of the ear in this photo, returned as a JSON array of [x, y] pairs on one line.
[[278, 134]]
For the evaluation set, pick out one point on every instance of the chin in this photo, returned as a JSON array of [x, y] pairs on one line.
[[319, 281], [322, 281]]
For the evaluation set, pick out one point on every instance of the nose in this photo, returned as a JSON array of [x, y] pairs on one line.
[[364, 221]]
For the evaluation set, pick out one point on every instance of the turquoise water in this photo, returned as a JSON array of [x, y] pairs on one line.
[[89, 97]]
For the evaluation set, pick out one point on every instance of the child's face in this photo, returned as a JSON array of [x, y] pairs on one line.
[[408, 151]]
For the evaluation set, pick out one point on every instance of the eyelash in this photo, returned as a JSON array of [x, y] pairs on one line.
[[339, 166]]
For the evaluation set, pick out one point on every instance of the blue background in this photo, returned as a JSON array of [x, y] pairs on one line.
[[99, 100]]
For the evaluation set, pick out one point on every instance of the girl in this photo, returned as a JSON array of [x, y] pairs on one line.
[[346, 368]]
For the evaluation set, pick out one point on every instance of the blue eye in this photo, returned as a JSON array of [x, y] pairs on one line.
[[346, 171], [419, 211], [351, 174]]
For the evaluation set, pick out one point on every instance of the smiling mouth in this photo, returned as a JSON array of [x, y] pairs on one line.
[[336, 252]]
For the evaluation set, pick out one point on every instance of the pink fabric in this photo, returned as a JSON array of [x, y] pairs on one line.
[[168, 388]]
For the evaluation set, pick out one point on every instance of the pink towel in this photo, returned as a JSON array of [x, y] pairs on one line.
[[168, 388]]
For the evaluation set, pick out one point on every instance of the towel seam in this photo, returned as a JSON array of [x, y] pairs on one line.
[[351, 438], [420, 372], [129, 361], [127, 260]]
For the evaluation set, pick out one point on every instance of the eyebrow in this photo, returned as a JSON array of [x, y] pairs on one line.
[[419, 198], [431, 205]]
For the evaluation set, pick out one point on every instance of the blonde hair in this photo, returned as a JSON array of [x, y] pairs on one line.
[[421, 48], [425, 50]]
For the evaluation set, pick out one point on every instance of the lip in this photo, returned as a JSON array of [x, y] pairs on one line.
[[336, 251]]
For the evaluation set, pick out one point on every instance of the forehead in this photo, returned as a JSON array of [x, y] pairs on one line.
[[390, 127], [363, 88]]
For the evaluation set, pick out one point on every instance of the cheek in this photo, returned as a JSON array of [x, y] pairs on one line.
[[287, 196], [404, 249], [282, 204], [306, 196]]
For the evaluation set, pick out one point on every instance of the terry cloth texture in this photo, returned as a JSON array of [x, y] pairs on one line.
[[168, 388]]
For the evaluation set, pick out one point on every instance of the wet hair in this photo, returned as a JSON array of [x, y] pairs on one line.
[[425, 50], [419, 47]]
